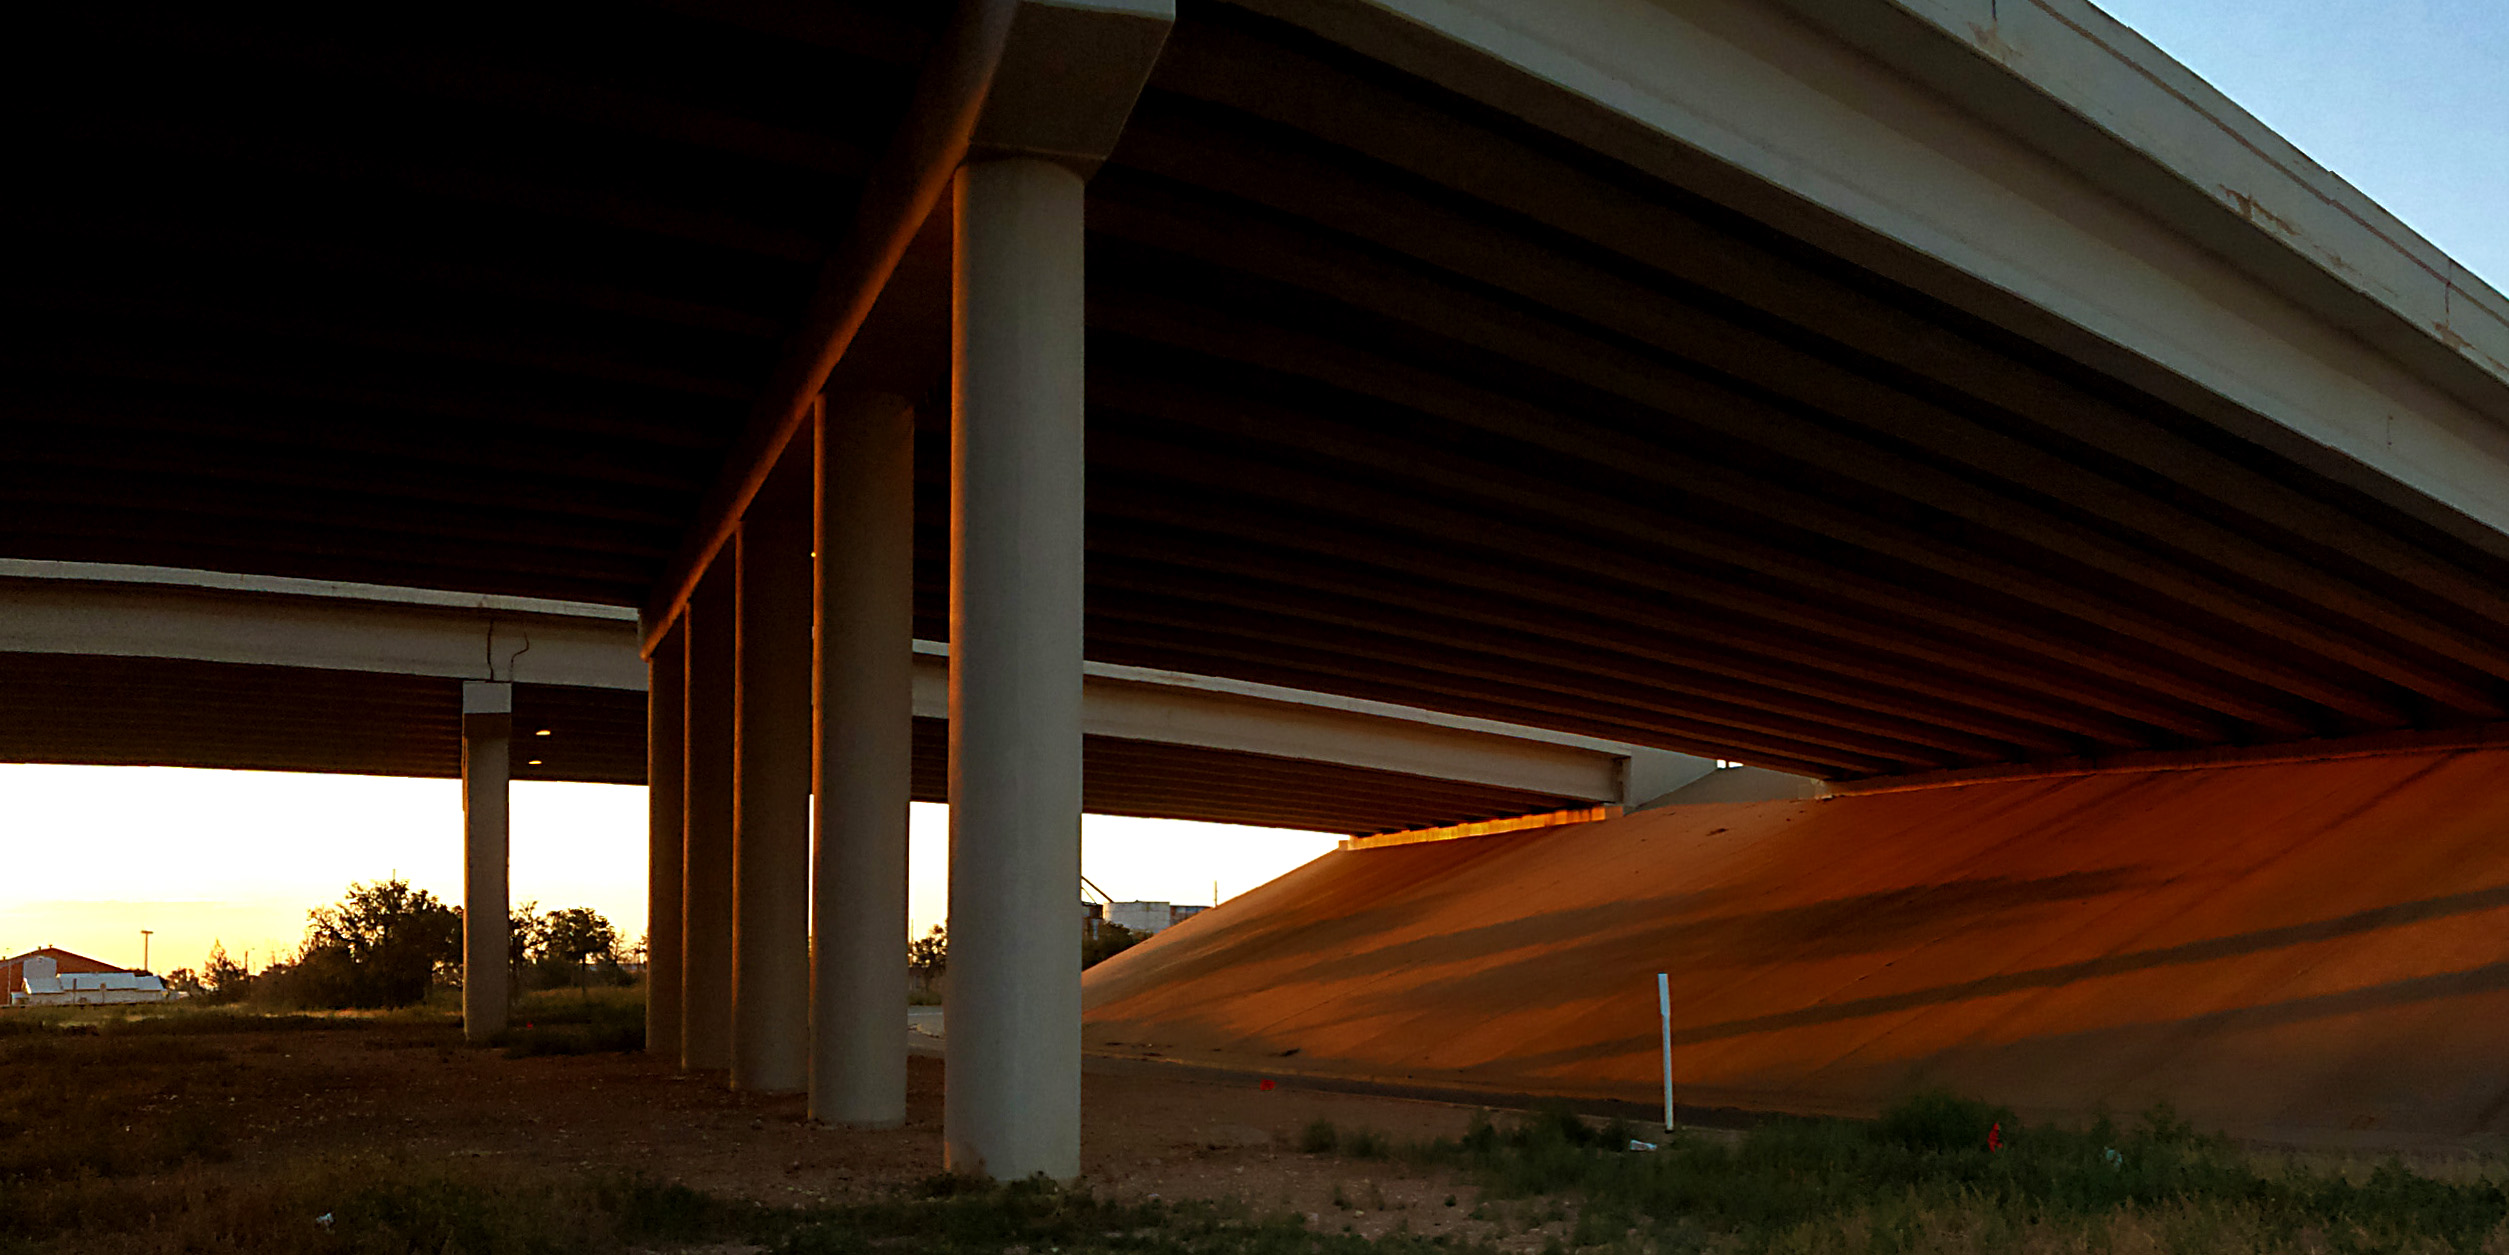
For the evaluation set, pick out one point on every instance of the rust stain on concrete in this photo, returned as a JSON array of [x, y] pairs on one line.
[[2254, 211], [1989, 38], [2316, 952], [2448, 336]]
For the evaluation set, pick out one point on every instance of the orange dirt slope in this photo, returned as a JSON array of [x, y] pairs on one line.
[[2313, 952]]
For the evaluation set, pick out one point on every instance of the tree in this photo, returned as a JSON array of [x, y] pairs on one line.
[[929, 956], [1112, 940], [195, 985], [226, 979], [524, 926], [576, 937], [220, 979], [381, 946], [550, 948]]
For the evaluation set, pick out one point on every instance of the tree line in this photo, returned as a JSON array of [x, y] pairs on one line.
[[386, 944]]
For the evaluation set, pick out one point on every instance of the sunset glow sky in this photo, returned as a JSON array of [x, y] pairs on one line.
[[94, 854]]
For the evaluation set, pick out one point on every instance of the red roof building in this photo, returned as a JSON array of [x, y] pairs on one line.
[[13, 968]]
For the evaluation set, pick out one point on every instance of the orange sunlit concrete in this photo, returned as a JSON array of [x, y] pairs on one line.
[[2316, 951]]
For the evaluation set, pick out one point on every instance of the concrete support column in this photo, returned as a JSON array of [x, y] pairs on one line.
[[865, 719], [666, 822], [706, 869], [487, 739], [1013, 1106], [771, 812]]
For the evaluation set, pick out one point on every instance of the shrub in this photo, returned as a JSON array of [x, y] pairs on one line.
[[1940, 1122], [1112, 940]]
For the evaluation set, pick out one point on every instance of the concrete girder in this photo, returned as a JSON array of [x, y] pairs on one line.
[[1145, 704], [155, 612], [904, 189], [72, 608], [2045, 168]]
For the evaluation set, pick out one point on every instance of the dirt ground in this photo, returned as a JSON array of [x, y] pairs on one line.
[[418, 1093]]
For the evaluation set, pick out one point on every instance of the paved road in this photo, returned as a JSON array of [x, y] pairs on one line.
[[924, 1020]]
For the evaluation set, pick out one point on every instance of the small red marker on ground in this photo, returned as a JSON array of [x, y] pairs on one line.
[[1265, 1084], [1995, 1136]]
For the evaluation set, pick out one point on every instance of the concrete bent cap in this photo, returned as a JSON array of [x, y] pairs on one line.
[[1068, 79]]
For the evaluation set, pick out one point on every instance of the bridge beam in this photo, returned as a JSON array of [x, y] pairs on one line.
[[91, 609], [2043, 168]]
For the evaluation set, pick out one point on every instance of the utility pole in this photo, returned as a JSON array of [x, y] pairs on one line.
[[144, 935]]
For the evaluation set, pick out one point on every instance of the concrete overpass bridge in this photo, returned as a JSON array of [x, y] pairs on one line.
[[1860, 389], [136, 665]]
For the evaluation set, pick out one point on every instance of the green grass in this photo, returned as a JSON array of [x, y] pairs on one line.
[[114, 1138], [1922, 1178], [189, 1018], [575, 1022], [76, 1102], [958, 1218]]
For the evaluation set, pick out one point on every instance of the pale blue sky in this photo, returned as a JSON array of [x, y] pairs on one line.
[[2408, 100]]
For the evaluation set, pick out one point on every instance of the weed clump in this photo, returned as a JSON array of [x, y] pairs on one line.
[[71, 1100], [556, 1023], [1942, 1172]]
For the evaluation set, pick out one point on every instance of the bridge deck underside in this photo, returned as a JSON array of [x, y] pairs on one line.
[[160, 712], [1391, 396]]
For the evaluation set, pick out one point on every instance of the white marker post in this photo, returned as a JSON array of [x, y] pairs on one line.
[[1664, 1003]]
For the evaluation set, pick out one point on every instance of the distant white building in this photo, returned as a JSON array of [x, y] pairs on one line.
[[42, 983], [1149, 917]]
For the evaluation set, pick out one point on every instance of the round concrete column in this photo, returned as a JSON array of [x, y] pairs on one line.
[[1013, 1046], [666, 725], [865, 761], [487, 739], [706, 872], [771, 812]]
